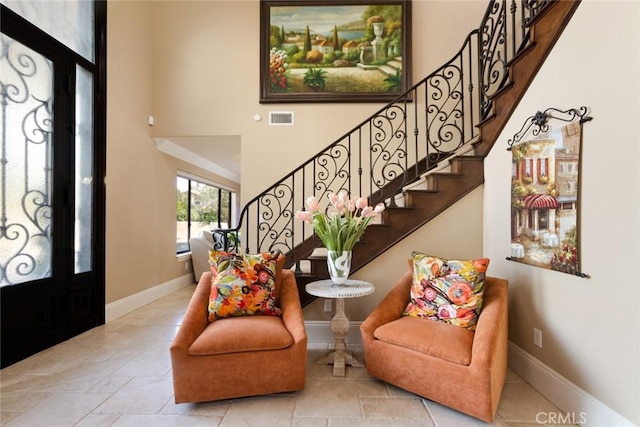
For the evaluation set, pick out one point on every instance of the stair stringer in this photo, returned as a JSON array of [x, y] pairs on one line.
[[545, 32], [421, 206], [466, 172]]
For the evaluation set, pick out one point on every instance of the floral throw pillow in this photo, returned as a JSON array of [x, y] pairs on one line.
[[242, 285], [447, 290]]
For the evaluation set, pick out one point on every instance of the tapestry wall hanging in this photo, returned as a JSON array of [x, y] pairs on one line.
[[545, 191]]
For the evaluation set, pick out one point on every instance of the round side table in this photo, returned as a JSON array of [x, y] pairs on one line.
[[339, 357]]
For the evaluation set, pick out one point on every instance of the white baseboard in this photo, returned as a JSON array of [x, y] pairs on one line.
[[319, 333], [584, 409], [133, 302]]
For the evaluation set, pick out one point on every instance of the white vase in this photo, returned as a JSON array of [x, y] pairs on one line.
[[339, 265], [378, 29], [376, 44]]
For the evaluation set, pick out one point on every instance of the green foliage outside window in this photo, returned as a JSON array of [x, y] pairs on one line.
[[200, 206]]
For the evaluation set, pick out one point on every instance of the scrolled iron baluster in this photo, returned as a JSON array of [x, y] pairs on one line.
[[390, 147], [493, 62], [446, 115], [331, 172], [277, 209], [457, 97]]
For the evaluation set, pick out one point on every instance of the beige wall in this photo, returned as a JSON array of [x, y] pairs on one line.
[[206, 82], [130, 209], [141, 181], [194, 66], [591, 327]]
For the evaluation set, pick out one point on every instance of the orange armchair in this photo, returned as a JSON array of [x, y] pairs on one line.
[[239, 356], [448, 364]]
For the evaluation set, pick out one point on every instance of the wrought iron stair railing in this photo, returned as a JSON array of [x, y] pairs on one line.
[[432, 121]]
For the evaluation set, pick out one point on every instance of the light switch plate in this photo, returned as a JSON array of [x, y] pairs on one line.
[[537, 337]]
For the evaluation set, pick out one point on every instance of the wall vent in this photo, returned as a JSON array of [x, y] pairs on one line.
[[281, 118]]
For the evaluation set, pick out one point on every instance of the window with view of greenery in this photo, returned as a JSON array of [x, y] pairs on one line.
[[199, 207]]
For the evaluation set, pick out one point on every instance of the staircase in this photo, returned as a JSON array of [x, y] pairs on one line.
[[420, 153], [391, 67]]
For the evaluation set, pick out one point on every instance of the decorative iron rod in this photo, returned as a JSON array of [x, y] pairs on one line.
[[441, 116]]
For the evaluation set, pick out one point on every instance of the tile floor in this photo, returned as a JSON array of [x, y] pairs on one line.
[[119, 374]]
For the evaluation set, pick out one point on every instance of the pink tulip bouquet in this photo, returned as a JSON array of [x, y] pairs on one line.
[[343, 223]]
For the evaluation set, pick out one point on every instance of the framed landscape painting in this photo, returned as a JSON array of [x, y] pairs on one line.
[[334, 51]]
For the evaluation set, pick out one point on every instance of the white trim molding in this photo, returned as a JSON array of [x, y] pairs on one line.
[[133, 302], [168, 147], [571, 399]]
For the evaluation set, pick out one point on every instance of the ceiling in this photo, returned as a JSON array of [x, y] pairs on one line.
[[218, 154]]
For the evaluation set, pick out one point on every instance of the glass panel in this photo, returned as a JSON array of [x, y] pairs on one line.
[[83, 229], [225, 209], [71, 21], [26, 83], [204, 209], [182, 225], [209, 208]]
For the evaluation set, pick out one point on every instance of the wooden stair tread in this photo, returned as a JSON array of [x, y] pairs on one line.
[[424, 204]]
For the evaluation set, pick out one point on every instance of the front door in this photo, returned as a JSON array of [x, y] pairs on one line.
[[51, 195]]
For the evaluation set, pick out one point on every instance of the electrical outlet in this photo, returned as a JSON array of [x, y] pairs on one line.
[[328, 306], [186, 266], [537, 337]]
